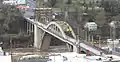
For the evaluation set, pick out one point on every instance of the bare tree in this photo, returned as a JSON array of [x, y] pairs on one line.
[[52, 3], [111, 7]]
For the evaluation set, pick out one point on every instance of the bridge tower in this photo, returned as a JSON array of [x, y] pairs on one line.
[[43, 15]]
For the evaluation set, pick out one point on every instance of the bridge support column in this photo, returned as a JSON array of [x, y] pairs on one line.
[[32, 27], [76, 49], [38, 36], [46, 42], [70, 47], [27, 26]]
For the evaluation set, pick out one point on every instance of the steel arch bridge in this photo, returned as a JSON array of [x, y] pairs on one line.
[[57, 29]]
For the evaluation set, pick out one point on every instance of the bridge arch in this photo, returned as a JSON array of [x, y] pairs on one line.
[[54, 23], [46, 37], [61, 26]]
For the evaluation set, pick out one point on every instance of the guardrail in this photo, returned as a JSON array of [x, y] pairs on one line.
[[95, 47]]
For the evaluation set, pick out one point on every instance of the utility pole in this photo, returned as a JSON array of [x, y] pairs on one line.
[[114, 36], [114, 33], [66, 14], [11, 49], [86, 34], [99, 41], [113, 26], [79, 39], [92, 39]]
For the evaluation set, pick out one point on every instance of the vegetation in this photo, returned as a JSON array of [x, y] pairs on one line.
[[11, 24], [102, 12], [52, 3]]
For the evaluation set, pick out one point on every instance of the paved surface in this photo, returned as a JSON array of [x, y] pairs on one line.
[[19, 52]]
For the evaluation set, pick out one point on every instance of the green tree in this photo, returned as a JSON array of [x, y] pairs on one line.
[[111, 7], [52, 3]]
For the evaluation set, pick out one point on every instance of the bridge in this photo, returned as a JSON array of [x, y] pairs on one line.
[[44, 28]]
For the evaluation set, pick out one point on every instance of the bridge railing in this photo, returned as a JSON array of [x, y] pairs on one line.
[[56, 32], [95, 47], [116, 53]]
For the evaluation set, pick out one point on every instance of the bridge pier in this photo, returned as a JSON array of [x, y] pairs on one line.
[[70, 47], [76, 49], [41, 39], [45, 42], [38, 36]]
